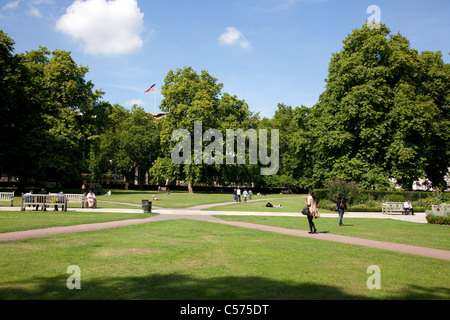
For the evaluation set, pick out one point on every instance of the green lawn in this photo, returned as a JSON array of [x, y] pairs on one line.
[[29, 220], [418, 234], [203, 261], [176, 200], [177, 260], [181, 200], [288, 203]]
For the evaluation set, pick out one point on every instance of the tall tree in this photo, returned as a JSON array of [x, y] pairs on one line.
[[128, 147], [49, 112], [190, 97], [293, 146], [20, 113], [71, 114], [384, 113]]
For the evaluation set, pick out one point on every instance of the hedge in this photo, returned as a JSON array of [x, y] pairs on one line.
[[363, 208], [383, 194], [438, 220]]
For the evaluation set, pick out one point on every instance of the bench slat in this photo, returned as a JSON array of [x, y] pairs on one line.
[[390, 207], [44, 200], [7, 196]]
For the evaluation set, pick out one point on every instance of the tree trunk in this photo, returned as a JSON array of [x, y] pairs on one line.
[[290, 190], [190, 188]]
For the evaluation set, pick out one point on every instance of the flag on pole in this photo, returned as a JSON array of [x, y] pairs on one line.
[[152, 88]]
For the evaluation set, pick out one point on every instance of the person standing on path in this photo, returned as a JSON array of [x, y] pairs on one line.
[[239, 194], [341, 206], [313, 211], [245, 194]]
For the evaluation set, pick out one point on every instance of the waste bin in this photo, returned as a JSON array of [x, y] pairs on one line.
[[147, 206]]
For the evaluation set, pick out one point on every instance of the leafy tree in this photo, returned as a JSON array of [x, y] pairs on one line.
[[384, 113], [71, 113], [164, 170], [49, 111], [293, 146], [191, 97], [129, 146], [20, 113]]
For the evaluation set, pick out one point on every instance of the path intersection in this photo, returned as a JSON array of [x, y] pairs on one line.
[[200, 213]]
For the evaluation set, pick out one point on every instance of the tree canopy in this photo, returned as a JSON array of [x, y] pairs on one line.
[[384, 113], [383, 116], [51, 114], [190, 97]]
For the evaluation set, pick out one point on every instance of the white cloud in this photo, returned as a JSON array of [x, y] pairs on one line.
[[138, 102], [35, 12], [11, 5], [233, 37], [104, 27], [32, 10]]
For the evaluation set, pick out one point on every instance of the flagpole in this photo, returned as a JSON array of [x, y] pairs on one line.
[[152, 88], [155, 98]]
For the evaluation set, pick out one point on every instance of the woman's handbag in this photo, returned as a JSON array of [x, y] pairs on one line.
[[305, 211]]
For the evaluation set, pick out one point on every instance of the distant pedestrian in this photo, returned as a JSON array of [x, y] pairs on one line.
[[245, 194], [250, 195], [238, 193], [235, 195], [313, 211], [341, 206]]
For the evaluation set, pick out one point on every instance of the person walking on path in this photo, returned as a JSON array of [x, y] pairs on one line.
[[341, 206], [313, 211], [245, 194]]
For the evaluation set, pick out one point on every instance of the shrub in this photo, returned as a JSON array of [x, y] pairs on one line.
[[362, 208], [351, 191], [438, 220], [442, 218]]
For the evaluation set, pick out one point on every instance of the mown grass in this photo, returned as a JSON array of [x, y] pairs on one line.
[[418, 234], [288, 203], [29, 220], [178, 260], [181, 200], [172, 199]]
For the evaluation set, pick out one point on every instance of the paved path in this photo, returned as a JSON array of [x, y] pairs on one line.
[[195, 214]]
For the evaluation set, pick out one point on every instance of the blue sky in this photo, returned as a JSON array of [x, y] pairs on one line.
[[264, 51]]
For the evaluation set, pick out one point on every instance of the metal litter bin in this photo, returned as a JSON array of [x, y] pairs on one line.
[[147, 206]]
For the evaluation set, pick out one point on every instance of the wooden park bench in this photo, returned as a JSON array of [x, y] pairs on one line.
[[43, 200], [391, 207], [7, 196], [76, 198]]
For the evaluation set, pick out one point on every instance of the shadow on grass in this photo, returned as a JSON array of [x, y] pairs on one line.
[[185, 287]]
